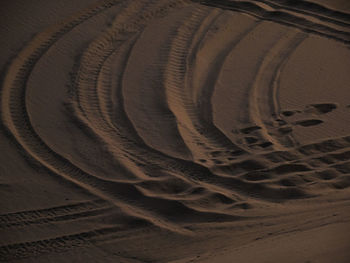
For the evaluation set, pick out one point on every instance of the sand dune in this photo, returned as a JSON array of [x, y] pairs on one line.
[[176, 131]]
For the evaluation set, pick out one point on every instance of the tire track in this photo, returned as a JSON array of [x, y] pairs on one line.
[[118, 137], [17, 120], [59, 244], [313, 9], [197, 133], [198, 173], [97, 111], [99, 106], [55, 214], [264, 89], [280, 16]]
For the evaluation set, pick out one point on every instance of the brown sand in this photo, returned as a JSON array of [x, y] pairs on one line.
[[175, 131]]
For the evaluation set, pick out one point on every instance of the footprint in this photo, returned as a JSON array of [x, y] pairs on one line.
[[217, 161], [280, 122], [285, 130], [215, 154], [265, 144], [237, 153], [290, 168], [288, 113], [307, 123], [250, 139], [324, 108], [250, 129]]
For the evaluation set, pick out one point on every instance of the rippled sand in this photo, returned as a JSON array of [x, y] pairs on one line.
[[175, 131]]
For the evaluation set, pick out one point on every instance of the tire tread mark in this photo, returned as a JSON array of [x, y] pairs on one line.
[[53, 245], [48, 216], [282, 17]]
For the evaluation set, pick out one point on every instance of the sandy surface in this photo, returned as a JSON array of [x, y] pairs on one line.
[[175, 131]]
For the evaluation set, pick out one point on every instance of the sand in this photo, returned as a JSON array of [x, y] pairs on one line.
[[175, 131]]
